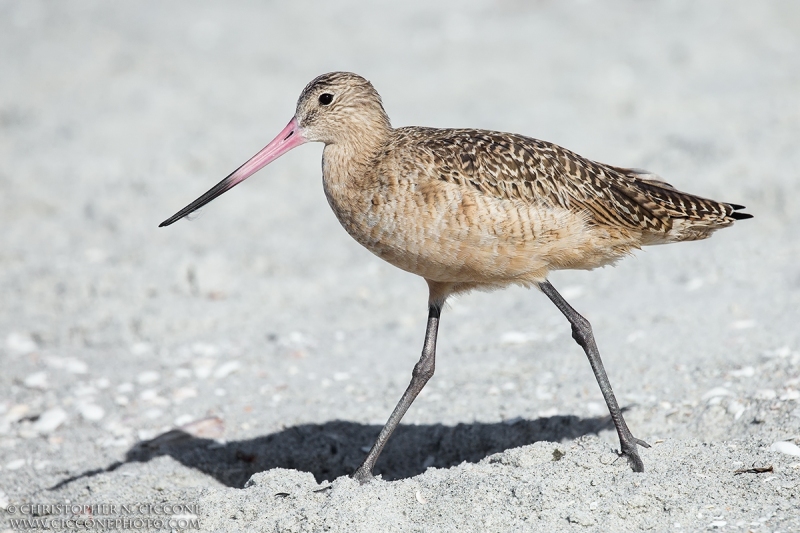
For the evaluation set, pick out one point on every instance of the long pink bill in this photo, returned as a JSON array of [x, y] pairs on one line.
[[290, 137]]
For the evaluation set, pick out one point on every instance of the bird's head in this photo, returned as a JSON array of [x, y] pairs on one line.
[[340, 107], [335, 108]]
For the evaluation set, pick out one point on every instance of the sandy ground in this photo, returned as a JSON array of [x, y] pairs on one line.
[[279, 346]]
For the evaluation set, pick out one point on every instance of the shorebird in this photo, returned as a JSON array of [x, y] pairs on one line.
[[474, 209]]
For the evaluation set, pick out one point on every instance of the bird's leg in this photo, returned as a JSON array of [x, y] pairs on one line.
[[582, 333], [423, 371]]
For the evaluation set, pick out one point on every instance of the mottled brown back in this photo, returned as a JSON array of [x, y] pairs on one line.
[[516, 167]]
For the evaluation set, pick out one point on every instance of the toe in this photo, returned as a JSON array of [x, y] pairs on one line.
[[636, 462], [363, 476]]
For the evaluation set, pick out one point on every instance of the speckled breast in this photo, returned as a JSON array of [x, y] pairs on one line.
[[437, 231]]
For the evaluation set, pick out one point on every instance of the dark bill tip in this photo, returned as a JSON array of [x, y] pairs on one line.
[[212, 193]]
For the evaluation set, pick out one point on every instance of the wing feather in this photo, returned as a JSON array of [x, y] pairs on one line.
[[541, 173]]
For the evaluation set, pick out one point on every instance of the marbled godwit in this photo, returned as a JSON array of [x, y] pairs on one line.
[[470, 209]]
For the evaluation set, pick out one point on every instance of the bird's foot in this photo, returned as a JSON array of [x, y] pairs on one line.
[[363, 475], [628, 449]]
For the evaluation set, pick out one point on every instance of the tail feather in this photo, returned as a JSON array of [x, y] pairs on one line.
[[688, 217]]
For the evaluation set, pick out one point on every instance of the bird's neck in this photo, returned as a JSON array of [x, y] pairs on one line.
[[348, 161]]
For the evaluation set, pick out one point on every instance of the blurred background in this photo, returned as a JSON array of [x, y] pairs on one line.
[[263, 312]]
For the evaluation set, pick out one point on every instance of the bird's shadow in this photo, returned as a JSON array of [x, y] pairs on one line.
[[336, 448]]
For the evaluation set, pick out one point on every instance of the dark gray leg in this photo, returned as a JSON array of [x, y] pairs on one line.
[[582, 333], [423, 371]]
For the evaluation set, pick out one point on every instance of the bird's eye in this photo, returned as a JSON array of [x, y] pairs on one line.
[[325, 98]]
